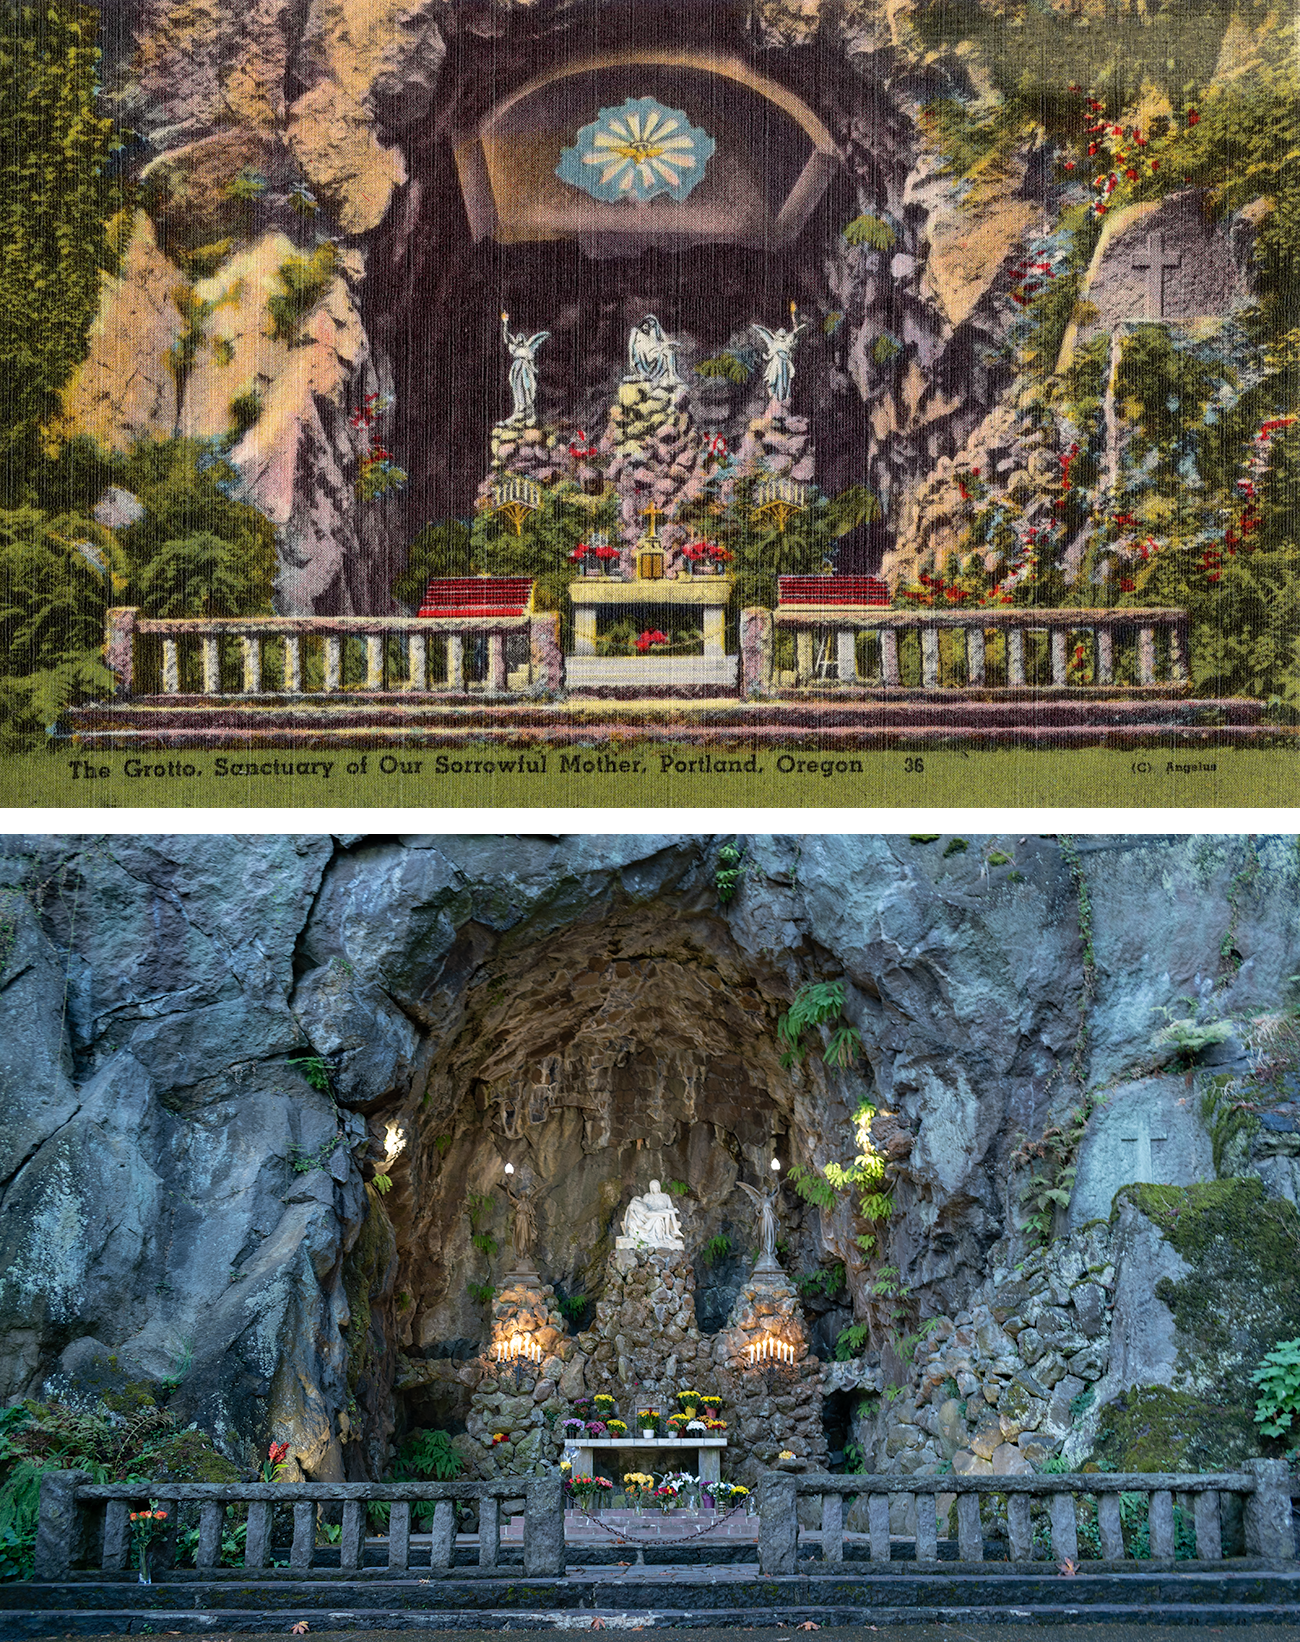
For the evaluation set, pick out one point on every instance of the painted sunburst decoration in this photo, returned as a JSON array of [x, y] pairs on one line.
[[637, 152]]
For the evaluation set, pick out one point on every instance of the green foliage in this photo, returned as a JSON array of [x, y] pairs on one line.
[[726, 365], [439, 550], [1227, 1117], [383, 1183], [57, 576], [55, 201], [427, 1455], [716, 1249], [955, 846], [873, 232], [824, 1283], [1278, 1379], [480, 1293], [1054, 1159], [248, 184], [885, 348], [304, 281], [478, 1205], [315, 1069], [850, 1341], [485, 1243], [811, 1186], [245, 408], [1189, 1036], [442, 1144], [678, 1188], [816, 1003], [728, 874], [573, 1308]]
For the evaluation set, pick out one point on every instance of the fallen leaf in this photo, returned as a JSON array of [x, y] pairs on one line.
[[300, 1629], [1068, 1568], [808, 1625], [598, 1624]]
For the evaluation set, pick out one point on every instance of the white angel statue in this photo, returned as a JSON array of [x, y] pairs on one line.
[[778, 364], [523, 372]]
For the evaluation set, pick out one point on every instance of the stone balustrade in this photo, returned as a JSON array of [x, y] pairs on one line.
[[1264, 1487], [325, 655], [87, 1525], [965, 649]]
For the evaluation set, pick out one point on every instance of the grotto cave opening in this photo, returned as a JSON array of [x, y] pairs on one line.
[[478, 233]]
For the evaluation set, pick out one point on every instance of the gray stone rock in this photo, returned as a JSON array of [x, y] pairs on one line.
[[1147, 1130]]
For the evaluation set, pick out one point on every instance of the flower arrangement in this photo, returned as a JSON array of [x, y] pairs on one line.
[[605, 556], [500, 1436], [587, 1488], [786, 1454], [697, 1426], [584, 1408], [715, 1426], [146, 1526], [604, 1404], [596, 1428], [274, 1463], [677, 1423], [665, 1496], [688, 1401], [639, 1484], [699, 552], [650, 637], [616, 1428], [711, 1403], [729, 1493], [647, 1419], [573, 1427]]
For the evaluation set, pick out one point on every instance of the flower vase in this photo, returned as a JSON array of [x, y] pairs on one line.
[[146, 1578], [647, 1433]]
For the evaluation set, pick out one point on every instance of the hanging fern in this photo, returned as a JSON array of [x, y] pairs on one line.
[[870, 231]]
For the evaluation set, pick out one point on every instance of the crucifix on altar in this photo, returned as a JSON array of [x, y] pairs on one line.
[[1155, 260], [650, 552]]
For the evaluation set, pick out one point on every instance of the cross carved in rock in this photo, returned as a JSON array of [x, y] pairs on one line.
[[1155, 261], [1143, 1140]]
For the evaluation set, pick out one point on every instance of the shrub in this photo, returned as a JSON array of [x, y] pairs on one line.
[[1278, 1379], [305, 281]]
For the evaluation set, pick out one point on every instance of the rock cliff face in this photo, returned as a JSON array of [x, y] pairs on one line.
[[259, 1094]]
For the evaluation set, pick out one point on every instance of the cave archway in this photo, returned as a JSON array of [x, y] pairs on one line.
[[461, 246]]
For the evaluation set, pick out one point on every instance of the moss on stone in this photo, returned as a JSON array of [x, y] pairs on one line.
[[1154, 1428]]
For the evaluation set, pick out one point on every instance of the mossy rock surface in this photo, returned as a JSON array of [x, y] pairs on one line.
[[1242, 1295], [1153, 1428]]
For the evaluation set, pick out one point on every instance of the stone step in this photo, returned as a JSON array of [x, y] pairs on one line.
[[704, 1590]]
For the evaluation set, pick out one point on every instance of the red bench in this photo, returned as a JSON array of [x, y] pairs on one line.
[[831, 590], [466, 597]]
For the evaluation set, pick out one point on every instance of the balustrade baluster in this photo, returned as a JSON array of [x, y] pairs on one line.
[[171, 672], [1015, 656], [399, 1533], [1109, 1527], [333, 661], [803, 663], [258, 1543], [1105, 655], [417, 676], [975, 655], [832, 1528], [878, 1526], [212, 1515], [889, 655], [1162, 1523], [1209, 1529], [970, 1532], [1177, 653], [211, 665], [304, 1534], [929, 658], [352, 1541], [1019, 1529], [1146, 655], [846, 656], [489, 1532], [455, 661], [444, 1534], [117, 1536], [496, 662], [251, 645], [1065, 1533], [293, 664], [1059, 641], [374, 661]]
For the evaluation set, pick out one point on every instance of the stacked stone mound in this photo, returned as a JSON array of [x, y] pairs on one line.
[[996, 1389], [772, 1407], [643, 1341], [523, 1409], [534, 453], [654, 449], [779, 443]]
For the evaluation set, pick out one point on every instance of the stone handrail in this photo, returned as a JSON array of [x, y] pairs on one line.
[[1098, 629], [85, 1522], [1265, 1486], [332, 633]]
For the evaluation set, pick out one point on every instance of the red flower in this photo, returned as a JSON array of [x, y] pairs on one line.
[[646, 639], [1069, 165], [1131, 174], [1092, 149], [1155, 165], [1193, 118], [278, 1452]]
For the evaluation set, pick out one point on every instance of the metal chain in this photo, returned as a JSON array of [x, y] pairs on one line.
[[686, 1539]]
